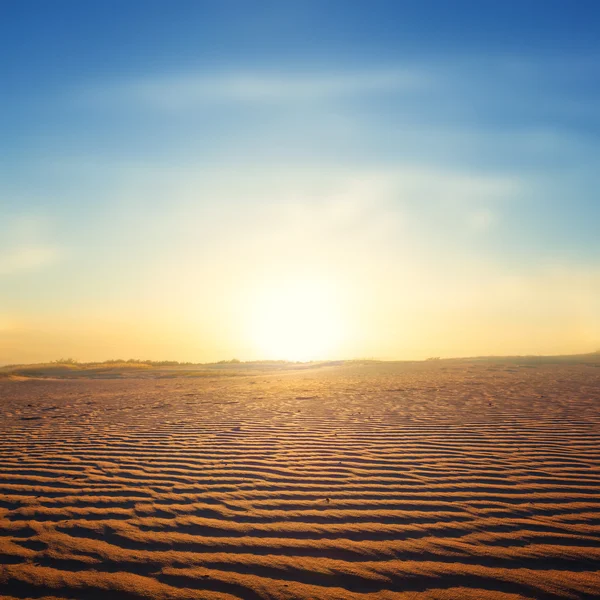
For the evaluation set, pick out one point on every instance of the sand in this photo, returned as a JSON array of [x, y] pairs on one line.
[[443, 480]]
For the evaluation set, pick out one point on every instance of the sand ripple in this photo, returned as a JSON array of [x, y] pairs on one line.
[[444, 481]]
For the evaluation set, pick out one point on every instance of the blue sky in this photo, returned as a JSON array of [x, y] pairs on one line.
[[166, 163]]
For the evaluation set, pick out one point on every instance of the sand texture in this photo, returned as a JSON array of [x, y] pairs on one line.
[[445, 480]]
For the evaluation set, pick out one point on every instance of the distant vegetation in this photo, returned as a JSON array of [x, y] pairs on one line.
[[131, 363], [69, 368]]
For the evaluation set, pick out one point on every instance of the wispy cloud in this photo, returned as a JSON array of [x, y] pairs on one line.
[[481, 220], [177, 92], [27, 257], [25, 246]]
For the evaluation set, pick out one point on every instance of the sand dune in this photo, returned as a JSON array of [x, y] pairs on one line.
[[442, 480]]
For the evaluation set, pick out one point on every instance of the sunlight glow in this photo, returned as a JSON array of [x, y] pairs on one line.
[[298, 320]]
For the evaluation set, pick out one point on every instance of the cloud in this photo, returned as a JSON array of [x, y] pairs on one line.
[[178, 92], [25, 245], [27, 257], [481, 220]]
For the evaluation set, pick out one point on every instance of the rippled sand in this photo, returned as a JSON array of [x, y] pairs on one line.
[[426, 480]]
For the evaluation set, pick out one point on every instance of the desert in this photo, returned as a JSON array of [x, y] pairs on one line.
[[299, 300], [438, 479]]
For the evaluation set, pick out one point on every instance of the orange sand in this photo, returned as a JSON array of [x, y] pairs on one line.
[[445, 480]]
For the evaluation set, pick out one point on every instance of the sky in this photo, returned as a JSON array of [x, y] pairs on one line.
[[303, 180]]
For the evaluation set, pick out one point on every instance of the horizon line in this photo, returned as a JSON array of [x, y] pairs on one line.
[[235, 361]]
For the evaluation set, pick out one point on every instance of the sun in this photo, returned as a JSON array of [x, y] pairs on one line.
[[297, 320]]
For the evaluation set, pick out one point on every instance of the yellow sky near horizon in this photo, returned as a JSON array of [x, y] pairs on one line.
[[322, 265], [306, 317]]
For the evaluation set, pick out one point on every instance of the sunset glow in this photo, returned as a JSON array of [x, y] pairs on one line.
[[297, 320], [297, 181]]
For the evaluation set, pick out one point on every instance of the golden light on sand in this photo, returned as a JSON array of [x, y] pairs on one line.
[[298, 319]]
